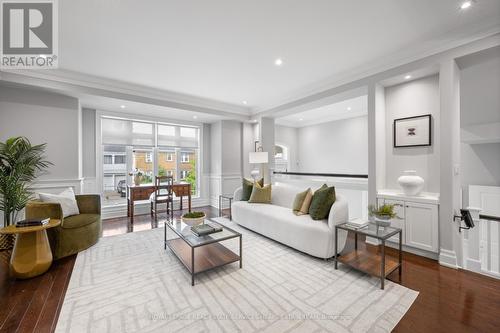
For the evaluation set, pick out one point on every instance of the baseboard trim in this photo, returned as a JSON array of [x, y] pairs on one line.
[[448, 258]]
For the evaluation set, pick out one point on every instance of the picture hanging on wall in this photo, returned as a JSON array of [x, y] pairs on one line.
[[412, 131]]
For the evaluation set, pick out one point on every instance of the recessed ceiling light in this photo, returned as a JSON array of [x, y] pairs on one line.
[[122, 106], [407, 77], [255, 120], [278, 62], [245, 102], [301, 119], [466, 4], [349, 108], [195, 117]]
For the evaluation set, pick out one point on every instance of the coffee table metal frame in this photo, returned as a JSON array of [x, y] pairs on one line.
[[203, 242]]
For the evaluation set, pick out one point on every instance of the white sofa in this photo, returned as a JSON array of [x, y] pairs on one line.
[[277, 221]]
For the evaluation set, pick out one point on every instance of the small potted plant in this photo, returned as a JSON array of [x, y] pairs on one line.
[[193, 218], [137, 174], [382, 215]]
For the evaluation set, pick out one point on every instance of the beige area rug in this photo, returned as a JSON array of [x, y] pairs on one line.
[[129, 283]]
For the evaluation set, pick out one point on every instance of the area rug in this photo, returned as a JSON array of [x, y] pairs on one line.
[[129, 283]]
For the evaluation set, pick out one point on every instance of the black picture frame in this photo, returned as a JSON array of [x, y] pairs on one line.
[[429, 138]]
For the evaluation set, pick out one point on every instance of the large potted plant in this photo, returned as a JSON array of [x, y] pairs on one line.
[[20, 164]]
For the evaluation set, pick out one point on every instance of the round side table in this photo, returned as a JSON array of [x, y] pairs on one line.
[[31, 255]]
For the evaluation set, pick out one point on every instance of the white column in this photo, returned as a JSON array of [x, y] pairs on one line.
[[266, 138], [449, 133], [376, 141]]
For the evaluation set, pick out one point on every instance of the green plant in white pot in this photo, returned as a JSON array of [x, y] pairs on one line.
[[382, 214], [20, 164], [193, 218]]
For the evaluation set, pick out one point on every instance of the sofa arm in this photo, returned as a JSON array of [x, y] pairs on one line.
[[38, 209], [237, 194], [339, 213], [89, 203]]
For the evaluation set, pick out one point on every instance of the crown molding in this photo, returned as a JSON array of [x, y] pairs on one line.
[[76, 84], [375, 71]]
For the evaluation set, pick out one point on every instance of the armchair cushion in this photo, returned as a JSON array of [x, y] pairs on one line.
[[89, 203], [66, 199], [81, 220]]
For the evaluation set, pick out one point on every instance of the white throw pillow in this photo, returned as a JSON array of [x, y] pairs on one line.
[[66, 199]]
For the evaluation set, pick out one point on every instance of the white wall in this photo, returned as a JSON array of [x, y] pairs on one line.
[[44, 117], [418, 97], [288, 136], [335, 147], [480, 104]]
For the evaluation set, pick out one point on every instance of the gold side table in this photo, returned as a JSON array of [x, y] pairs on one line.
[[31, 255]]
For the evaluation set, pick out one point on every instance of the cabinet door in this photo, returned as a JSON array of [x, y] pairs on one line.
[[397, 222], [422, 226]]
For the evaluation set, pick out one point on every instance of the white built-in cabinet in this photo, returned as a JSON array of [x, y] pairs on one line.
[[418, 218]]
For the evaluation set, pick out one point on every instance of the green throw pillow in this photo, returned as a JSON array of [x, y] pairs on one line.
[[260, 194], [299, 200], [247, 187], [321, 203]]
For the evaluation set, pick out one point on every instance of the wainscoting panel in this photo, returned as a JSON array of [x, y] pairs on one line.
[[57, 185]]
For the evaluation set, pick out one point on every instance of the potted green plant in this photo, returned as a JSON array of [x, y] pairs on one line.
[[20, 164], [137, 174], [193, 218], [383, 214]]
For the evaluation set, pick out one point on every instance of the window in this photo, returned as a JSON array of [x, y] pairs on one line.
[[128, 147], [114, 175], [119, 159]]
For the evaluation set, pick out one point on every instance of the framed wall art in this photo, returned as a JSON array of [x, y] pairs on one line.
[[412, 131]]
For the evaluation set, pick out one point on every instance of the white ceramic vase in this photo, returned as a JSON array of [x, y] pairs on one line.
[[411, 183]]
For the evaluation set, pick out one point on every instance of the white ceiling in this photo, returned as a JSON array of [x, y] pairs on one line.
[[225, 49], [350, 108]]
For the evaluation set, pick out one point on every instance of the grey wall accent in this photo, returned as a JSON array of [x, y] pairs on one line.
[[335, 147], [231, 147], [480, 104], [88, 142], [43, 117], [409, 99]]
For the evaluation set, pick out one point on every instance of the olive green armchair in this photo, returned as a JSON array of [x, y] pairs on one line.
[[75, 233]]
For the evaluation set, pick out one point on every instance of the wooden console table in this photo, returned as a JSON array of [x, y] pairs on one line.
[[143, 192]]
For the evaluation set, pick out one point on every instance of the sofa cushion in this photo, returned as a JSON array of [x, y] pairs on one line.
[[302, 201], [321, 203], [260, 194], [304, 209], [81, 220], [247, 187]]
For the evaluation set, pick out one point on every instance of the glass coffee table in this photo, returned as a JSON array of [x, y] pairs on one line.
[[369, 262], [200, 254]]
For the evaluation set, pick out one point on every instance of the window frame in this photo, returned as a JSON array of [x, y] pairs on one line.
[[156, 121]]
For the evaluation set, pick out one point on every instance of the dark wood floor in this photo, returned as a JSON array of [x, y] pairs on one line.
[[449, 301]]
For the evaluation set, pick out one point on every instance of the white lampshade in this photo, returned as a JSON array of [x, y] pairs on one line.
[[258, 157]]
